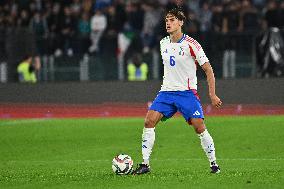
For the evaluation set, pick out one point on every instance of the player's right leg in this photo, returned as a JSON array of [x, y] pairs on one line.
[[148, 139], [162, 107]]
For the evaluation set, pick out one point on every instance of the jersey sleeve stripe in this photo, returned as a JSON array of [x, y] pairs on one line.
[[193, 55], [192, 52], [193, 41]]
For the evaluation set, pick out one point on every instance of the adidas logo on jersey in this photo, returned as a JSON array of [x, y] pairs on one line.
[[196, 113]]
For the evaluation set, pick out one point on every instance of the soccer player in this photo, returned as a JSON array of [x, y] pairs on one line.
[[180, 54]]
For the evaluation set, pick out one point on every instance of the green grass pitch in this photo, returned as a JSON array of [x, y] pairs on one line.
[[77, 153]]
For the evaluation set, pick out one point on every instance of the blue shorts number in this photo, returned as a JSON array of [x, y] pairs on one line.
[[172, 60]]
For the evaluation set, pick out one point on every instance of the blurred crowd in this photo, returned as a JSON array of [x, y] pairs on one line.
[[89, 26]]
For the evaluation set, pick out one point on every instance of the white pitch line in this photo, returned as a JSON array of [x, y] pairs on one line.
[[222, 159], [23, 121], [252, 159], [99, 160]]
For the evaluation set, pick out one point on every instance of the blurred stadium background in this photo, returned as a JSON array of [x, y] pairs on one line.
[[91, 43]]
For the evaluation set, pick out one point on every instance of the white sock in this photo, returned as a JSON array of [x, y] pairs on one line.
[[148, 139], [208, 146]]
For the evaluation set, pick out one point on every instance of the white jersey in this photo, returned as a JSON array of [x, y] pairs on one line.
[[180, 63]]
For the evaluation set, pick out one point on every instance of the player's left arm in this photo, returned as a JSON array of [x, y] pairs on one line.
[[211, 84]]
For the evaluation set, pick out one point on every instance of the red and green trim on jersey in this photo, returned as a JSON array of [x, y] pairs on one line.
[[192, 53]]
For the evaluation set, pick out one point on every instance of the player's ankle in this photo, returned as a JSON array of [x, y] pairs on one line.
[[146, 162], [213, 163]]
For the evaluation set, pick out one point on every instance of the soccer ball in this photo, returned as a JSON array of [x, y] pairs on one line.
[[122, 164]]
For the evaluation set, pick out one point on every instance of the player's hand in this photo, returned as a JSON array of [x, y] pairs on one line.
[[215, 100]]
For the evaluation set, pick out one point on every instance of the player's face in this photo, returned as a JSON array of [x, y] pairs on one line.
[[172, 24]]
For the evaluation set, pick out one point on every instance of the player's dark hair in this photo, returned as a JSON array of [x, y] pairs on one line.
[[176, 12]]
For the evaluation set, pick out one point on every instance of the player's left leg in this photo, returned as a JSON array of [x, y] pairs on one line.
[[206, 142], [189, 105]]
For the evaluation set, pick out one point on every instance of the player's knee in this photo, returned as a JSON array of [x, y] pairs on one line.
[[200, 129], [149, 123], [198, 125]]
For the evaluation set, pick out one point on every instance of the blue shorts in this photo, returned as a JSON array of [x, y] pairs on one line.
[[186, 102]]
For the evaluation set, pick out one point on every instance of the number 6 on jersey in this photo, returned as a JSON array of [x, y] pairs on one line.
[[172, 60]]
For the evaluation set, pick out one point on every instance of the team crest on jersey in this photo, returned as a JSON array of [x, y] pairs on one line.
[[181, 51]]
